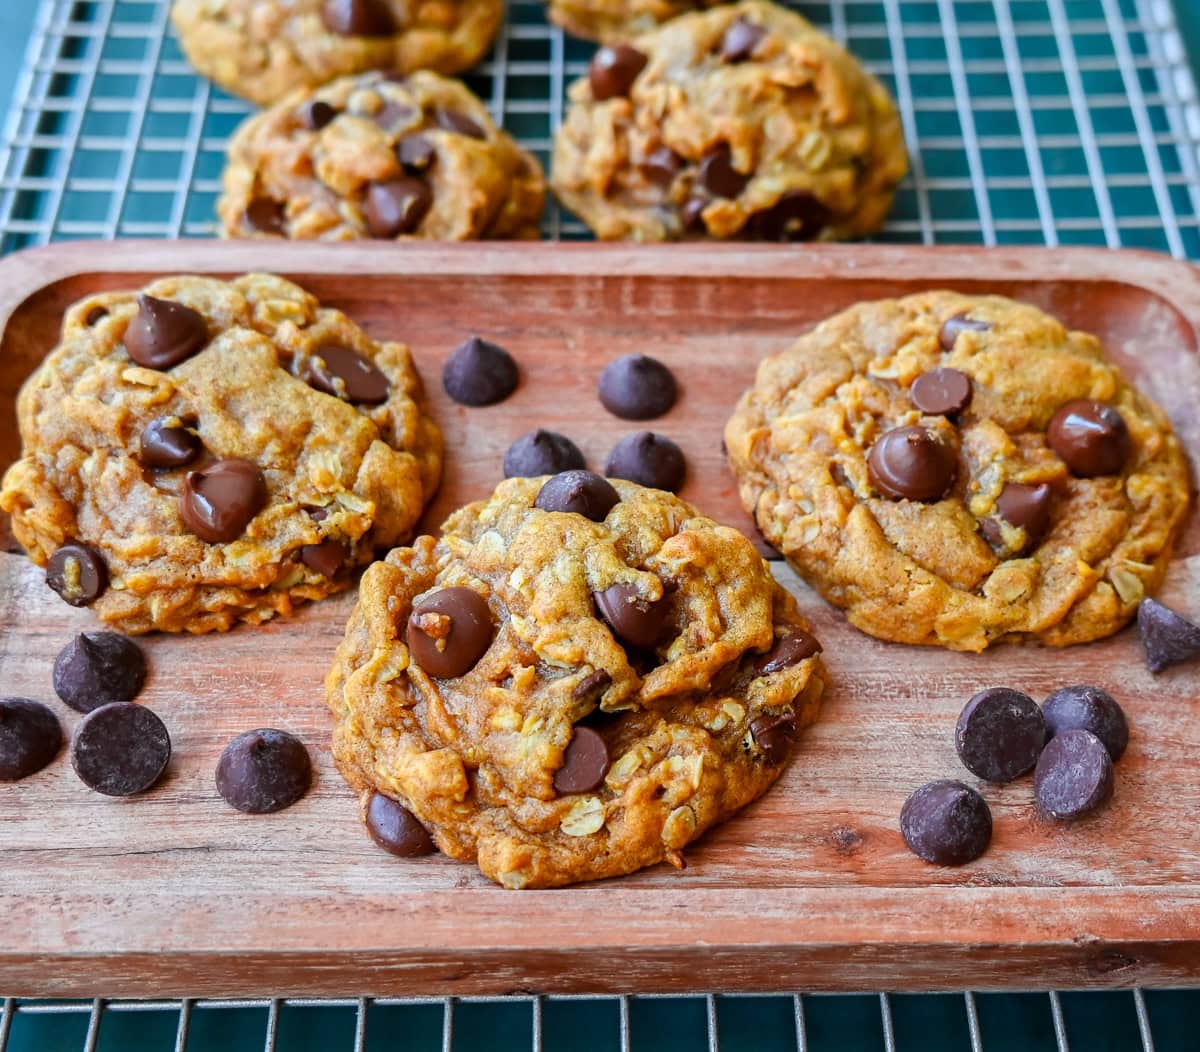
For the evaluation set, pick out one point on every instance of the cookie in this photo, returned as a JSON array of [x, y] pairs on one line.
[[372, 156], [1034, 495], [741, 122], [562, 697], [612, 21], [263, 50], [206, 452]]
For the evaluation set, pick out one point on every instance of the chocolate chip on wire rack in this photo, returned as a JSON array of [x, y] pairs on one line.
[[613, 70]]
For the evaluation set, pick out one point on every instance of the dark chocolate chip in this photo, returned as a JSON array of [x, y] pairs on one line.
[[1027, 507], [318, 514], [78, 574], [98, 668], [359, 18], [30, 737], [796, 216], [637, 387], [1090, 437], [613, 71], [166, 443], [459, 123], [717, 174], [266, 215], [541, 453], [395, 828], [395, 115], [911, 463], [1000, 734], [396, 207], [585, 763], [787, 651], [578, 493], [634, 619], [774, 735], [218, 502], [1088, 709], [316, 114], [417, 154], [592, 686], [120, 749], [263, 771], [449, 631], [326, 558], [1168, 638], [691, 215], [661, 166], [1074, 775], [740, 40], [480, 373], [946, 823], [649, 460], [346, 374], [941, 392], [959, 323], [94, 315], [164, 333]]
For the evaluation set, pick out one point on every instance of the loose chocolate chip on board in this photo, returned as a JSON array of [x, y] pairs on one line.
[[1091, 438], [94, 315], [449, 631], [395, 828], [1074, 775], [77, 573], [459, 123], [343, 373], [796, 216], [1167, 637], [613, 70], [585, 763], [326, 558], [396, 207], [98, 668], [1089, 709], [316, 114], [480, 373], [416, 153], [359, 18], [787, 651], [946, 823], [941, 392], [579, 493], [661, 166], [649, 460], [1000, 734], [634, 619], [166, 443], [774, 735], [1027, 507], [164, 333], [958, 324], [911, 463], [30, 737], [120, 749], [637, 387], [266, 215], [218, 502], [263, 771], [592, 686], [541, 452], [740, 40], [717, 174]]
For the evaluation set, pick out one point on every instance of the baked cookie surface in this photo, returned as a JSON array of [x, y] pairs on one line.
[[613, 21], [207, 452], [563, 699], [739, 122], [961, 470], [264, 49], [371, 156]]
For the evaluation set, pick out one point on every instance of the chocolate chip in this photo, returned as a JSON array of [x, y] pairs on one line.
[[946, 823], [396, 207], [717, 174], [613, 71], [120, 749], [460, 123], [691, 215], [479, 373], [266, 215], [317, 514], [218, 502], [541, 453], [958, 324], [592, 686], [941, 392], [787, 651], [1027, 507], [1000, 734], [263, 771], [94, 315], [1089, 709], [359, 18], [30, 737], [163, 333], [395, 115], [796, 216], [395, 828], [649, 460], [637, 387], [1168, 638], [661, 166], [346, 374], [1090, 437], [585, 763], [316, 114], [774, 735], [326, 558], [417, 154], [98, 668], [634, 619], [449, 631], [578, 493], [78, 574], [740, 40], [910, 463], [1074, 775], [166, 443]]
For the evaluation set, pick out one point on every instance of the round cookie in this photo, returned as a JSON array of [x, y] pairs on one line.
[[271, 450], [1007, 532], [376, 157], [739, 122], [616, 20], [604, 692], [264, 49]]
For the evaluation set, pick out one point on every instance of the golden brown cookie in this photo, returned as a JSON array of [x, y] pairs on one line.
[[739, 122], [961, 470], [206, 452], [378, 157], [575, 682], [265, 49], [613, 21]]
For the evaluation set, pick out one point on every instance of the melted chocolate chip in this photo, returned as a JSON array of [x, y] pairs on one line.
[[941, 392], [585, 763], [359, 18], [395, 828], [1088, 709], [1167, 637], [326, 558], [909, 463], [1000, 734], [578, 493], [78, 574], [120, 749], [649, 460], [480, 373], [30, 737], [740, 40], [163, 333], [958, 324], [94, 315], [661, 166], [717, 174], [1027, 507], [459, 123], [166, 443], [417, 154], [637, 387], [396, 207], [449, 631], [218, 502], [635, 620], [263, 771], [316, 114], [946, 823], [541, 453], [592, 687], [787, 651], [266, 215], [1074, 775], [774, 735], [395, 115], [346, 374], [1091, 438], [98, 668], [796, 216], [613, 71]]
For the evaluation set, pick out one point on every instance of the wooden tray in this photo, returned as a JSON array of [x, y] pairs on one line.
[[175, 894]]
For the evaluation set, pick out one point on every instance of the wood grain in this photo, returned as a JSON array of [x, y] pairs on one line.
[[812, 888]]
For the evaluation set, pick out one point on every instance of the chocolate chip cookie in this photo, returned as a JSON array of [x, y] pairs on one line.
[[374, 156], [576, 681], [961, 470], [613, 21], [204, 452], [265, 49], [740, 122]]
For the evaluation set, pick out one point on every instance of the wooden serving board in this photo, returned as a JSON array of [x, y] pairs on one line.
[[812, 888]]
